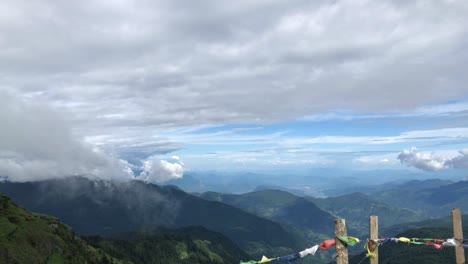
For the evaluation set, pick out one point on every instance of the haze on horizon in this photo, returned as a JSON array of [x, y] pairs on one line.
[[152, 89]]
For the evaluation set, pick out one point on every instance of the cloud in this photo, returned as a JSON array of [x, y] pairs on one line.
[[156, 170], [432, 161], [129, 73], [36, 143], [460, 161], [112, 63], [377, 159]]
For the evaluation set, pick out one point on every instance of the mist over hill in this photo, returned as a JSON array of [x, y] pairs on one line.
[[109, 208], [315, 182], [32, 238]]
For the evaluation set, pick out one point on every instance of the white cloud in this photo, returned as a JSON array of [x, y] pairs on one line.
[[156, 170], [36, 143], [209, 63], [129, 71], [460, 161], [433, 161], [376, 159]]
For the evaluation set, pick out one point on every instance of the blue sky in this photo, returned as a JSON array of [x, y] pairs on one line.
[[152, 89], [358, 141]]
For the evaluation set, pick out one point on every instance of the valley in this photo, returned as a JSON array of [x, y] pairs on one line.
[[137, 222]]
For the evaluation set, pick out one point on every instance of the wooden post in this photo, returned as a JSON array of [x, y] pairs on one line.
[[341, 249], [458, 234], [374, 235]]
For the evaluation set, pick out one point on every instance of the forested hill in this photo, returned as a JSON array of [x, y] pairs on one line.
[[403, 253], [31, 238], [444, 222], [190, 245], [280, 206], [433, 201], [109, 208], [357, 207]]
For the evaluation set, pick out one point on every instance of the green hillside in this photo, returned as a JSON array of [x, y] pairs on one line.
[[109, 208], [191, 245], [30, 238], [282, 207], [444, 222], [357, 207], [432, 201], [296, 214], [402, 253]]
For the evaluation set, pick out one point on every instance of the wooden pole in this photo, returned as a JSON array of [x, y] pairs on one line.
[[341, 249], [458, 234], [374, 235]]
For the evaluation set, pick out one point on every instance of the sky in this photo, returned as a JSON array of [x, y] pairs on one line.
[[150, 90]]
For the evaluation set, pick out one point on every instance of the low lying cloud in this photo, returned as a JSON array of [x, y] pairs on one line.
[[37, 143], [433, 161], [156, 170], [460, 161]]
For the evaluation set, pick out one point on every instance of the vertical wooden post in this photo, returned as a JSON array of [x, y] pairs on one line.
[[458, 234], [374, 235], [341, 249]]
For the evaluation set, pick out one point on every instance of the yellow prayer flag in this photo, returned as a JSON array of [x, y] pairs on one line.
[[265, 260], [404, 239]]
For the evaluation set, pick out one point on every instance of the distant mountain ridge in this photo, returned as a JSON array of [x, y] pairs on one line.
[[30, 238], [107, 208], [443, 222], [433, 201], [378, 188], [280, 206], [357, 207]]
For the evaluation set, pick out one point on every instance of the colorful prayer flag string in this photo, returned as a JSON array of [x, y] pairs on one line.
[[371, 246], [324, 245]]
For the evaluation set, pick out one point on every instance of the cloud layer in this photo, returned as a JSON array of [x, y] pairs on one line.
[[432, 161], [157, 170], [134, 79], [36, 143], [173, 63]]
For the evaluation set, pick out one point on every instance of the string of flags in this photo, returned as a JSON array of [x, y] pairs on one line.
[[370, 246], [324, 245]]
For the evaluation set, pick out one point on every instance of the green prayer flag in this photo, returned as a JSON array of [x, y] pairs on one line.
[[349, 240]]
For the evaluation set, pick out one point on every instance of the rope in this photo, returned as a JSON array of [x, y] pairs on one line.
[[364, 258]]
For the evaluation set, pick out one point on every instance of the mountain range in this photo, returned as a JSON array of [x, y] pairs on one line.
[[281, 207], [31, 238], [135, 222], [357, 207], [432, 201], [95, 207]]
